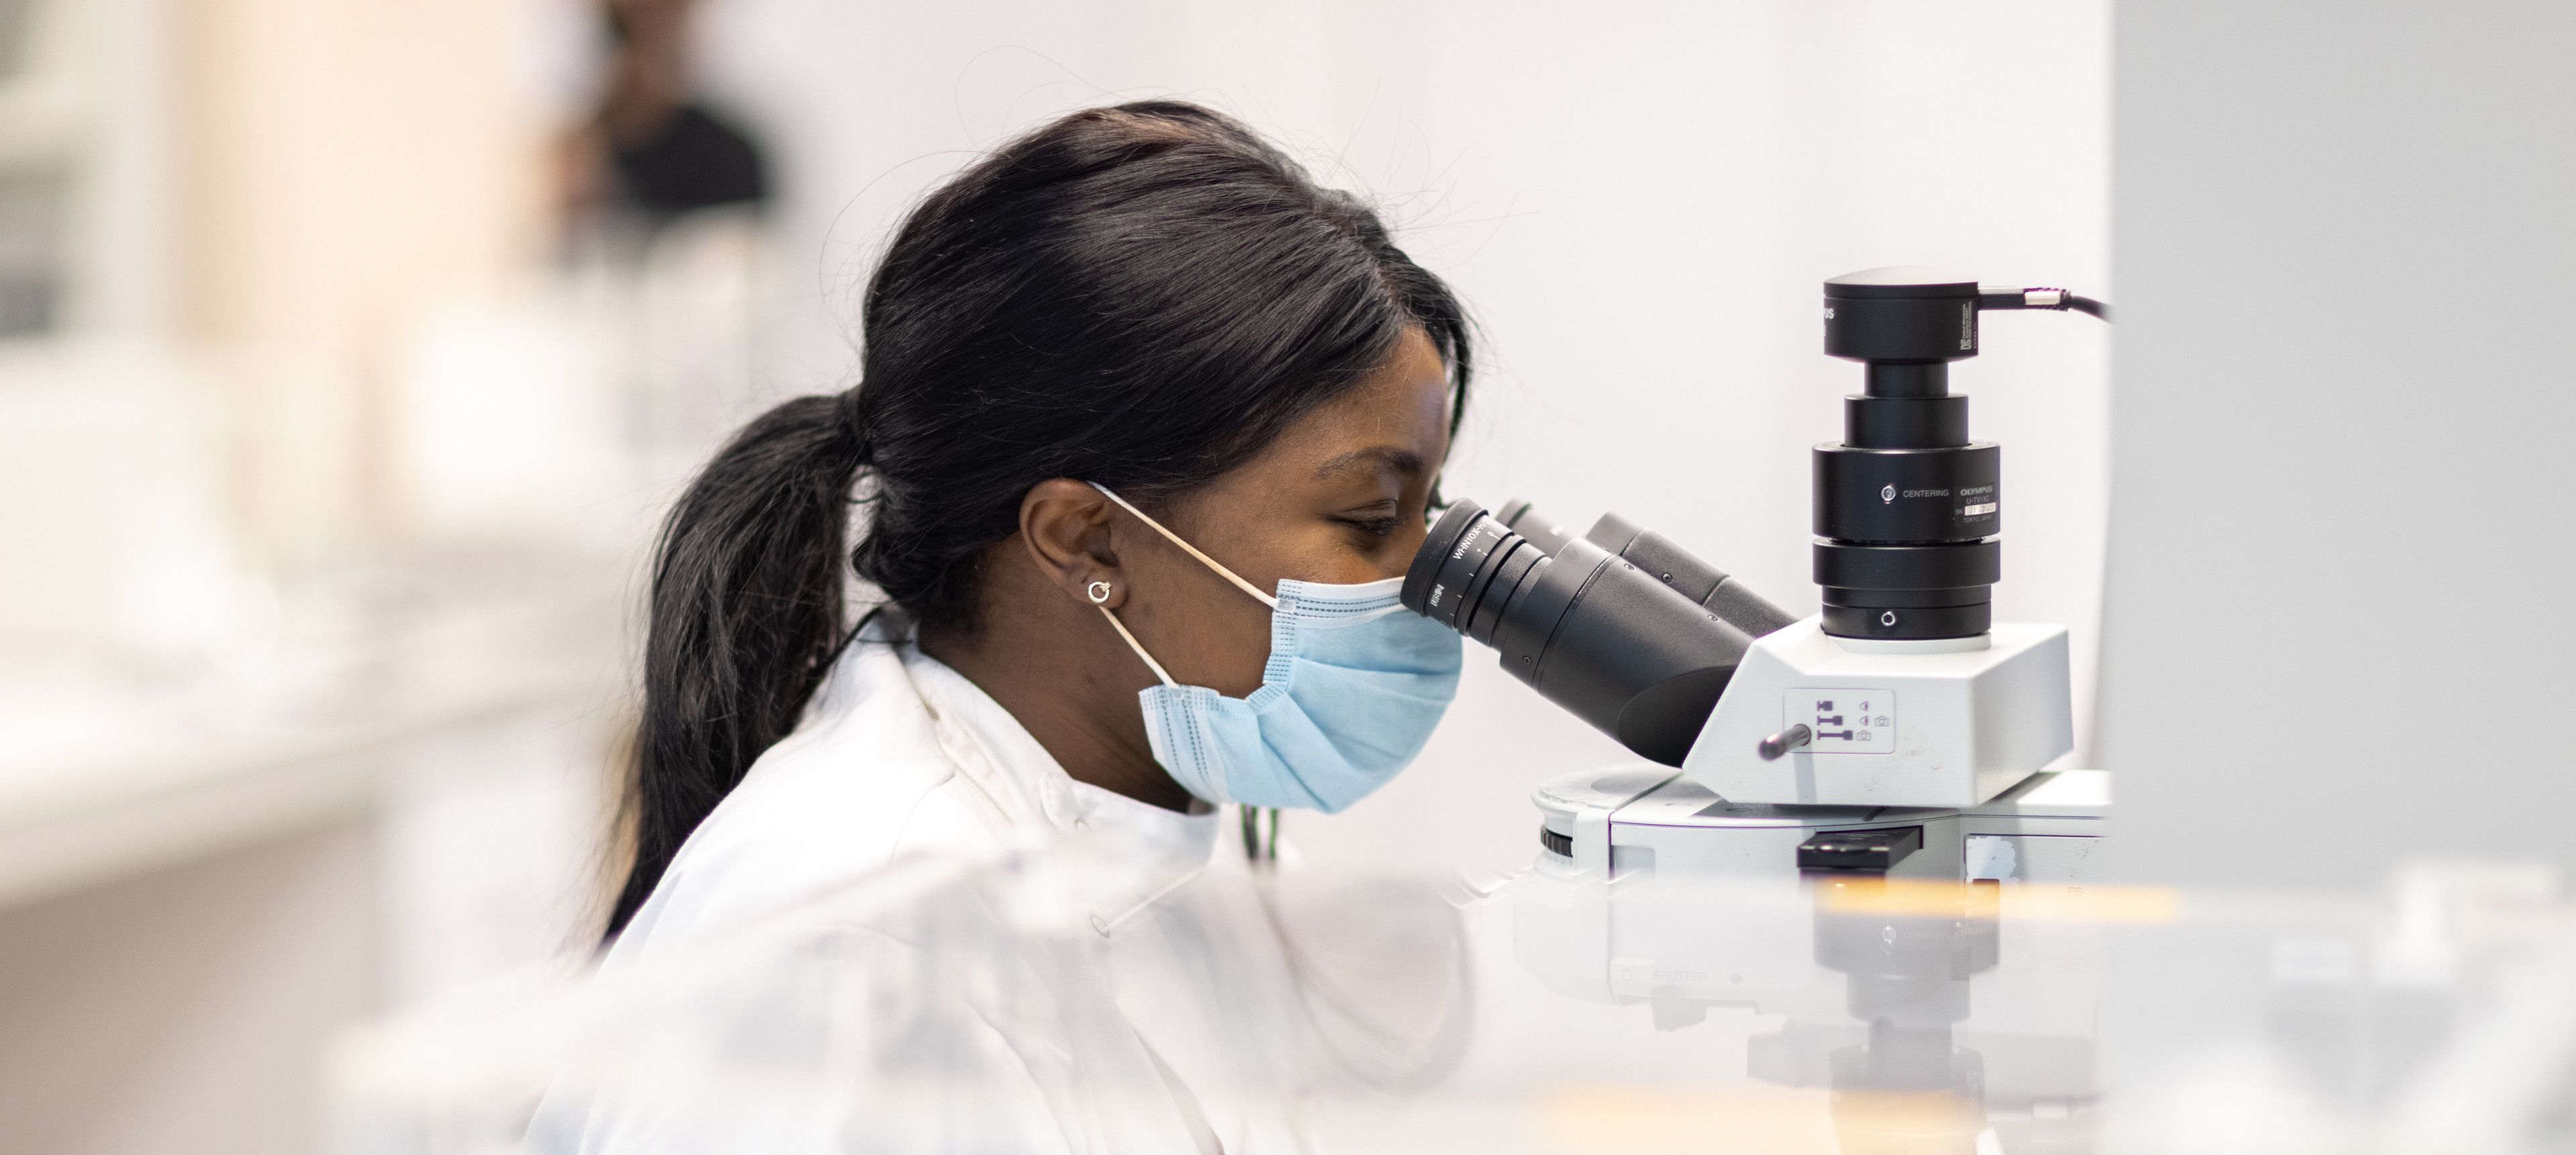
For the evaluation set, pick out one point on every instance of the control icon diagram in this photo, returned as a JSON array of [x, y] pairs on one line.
[[1844, 720]]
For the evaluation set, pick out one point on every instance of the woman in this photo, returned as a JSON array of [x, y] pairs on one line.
[[1145, 433]]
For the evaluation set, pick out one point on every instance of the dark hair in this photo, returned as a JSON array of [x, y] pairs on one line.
[[1140, 296]]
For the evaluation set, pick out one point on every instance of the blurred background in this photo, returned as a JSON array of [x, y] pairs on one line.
[[349, 352]]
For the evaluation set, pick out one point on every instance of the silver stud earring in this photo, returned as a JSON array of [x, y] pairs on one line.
[[1099, 592]]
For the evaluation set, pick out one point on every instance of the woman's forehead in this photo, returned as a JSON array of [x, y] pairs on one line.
[[1397, 417]]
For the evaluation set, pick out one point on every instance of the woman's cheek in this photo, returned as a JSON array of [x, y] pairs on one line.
[[1243, 670]]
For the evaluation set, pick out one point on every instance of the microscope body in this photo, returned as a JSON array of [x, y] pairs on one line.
[[1903, 691], [1937, 722]]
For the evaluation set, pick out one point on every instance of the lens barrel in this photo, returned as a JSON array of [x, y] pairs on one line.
[[1664, 560], [1585, 628], [1907, 508]]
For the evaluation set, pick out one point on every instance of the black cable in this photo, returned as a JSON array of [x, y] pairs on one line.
[[2088, 305]]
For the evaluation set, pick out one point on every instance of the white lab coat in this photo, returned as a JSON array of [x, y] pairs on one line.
[[896, 755], [899, 755]]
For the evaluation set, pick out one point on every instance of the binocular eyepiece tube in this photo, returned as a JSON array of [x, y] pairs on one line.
[[1621, 627]]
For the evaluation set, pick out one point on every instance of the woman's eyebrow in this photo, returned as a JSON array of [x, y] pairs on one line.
[[1397, 458]]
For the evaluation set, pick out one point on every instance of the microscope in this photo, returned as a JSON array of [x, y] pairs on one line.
[[1901, 731], [1827, 807]]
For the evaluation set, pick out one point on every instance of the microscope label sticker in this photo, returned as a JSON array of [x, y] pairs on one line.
[[1844, 720]]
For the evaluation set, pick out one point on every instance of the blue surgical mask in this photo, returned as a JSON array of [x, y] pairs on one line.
[[1353, 689]]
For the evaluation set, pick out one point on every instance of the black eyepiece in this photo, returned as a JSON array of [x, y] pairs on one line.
[[1586, 628], [1467, 570]]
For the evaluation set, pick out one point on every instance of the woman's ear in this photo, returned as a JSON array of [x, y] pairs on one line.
[[1066, 525]]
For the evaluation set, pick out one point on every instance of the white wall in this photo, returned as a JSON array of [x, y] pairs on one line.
[[2348, 252], [1638, 201]]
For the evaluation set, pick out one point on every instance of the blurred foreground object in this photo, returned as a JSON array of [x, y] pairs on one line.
[[961, 1007]]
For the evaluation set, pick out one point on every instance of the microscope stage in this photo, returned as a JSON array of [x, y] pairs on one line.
[[1646, 818]]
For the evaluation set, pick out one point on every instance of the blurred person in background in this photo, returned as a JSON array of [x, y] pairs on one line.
[[664, 202], [654, 150]]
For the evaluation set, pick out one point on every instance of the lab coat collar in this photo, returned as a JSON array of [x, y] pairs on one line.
[[1157, 850]]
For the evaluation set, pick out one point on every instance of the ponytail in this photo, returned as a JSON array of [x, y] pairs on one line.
[[745, 617]]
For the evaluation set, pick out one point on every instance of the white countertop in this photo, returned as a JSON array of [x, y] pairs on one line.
[[102, 781]]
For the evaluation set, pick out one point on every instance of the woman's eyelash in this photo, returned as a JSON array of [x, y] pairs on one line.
[[1381, 526]]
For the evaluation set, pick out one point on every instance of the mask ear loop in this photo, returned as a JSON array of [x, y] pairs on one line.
[[1099, 593], [1252, 845], [1192, 550]]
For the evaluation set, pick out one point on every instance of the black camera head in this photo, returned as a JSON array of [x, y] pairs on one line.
[[1901, 315]]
